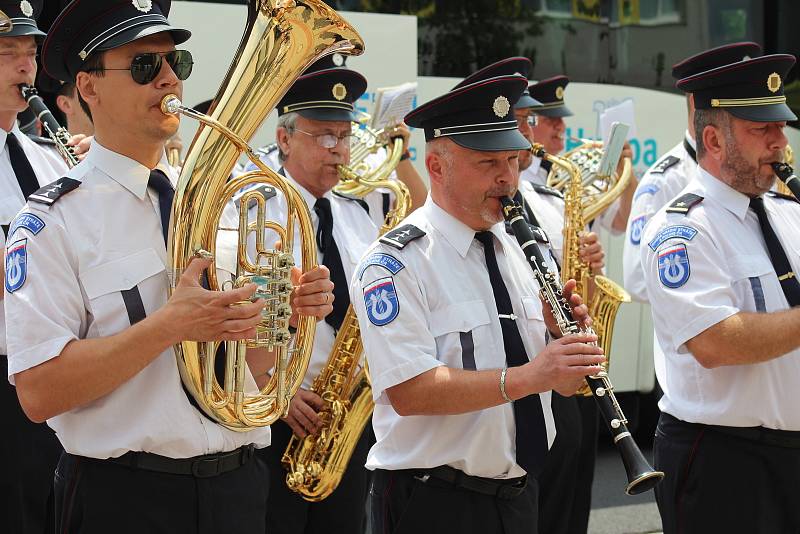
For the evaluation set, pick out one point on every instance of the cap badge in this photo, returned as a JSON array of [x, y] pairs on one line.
[[339, 91], [560, 93], [501, 106], [26, 8], [338, 59], [774, 82], [143, 5]]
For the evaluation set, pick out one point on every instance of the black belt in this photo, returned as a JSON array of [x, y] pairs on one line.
[[206, 466], [508, 488], [789, 439]]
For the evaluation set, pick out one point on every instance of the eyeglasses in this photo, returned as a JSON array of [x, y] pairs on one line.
[[530, 120], [327, 140], [146, 66]]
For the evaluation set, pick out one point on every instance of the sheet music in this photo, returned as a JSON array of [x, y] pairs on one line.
[[392, 104]]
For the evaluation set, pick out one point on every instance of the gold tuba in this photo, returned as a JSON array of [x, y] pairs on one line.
[[315, 464], [607, 295], [281, 39]]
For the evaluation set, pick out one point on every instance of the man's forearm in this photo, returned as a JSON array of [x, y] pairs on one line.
[[88, 369], [747, 338]]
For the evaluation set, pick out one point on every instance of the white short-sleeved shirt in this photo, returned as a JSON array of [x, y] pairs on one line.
[[661, 183], [81, 253], [438, 309], [549, 211], [353, 232], [701, 268], [48, 167]]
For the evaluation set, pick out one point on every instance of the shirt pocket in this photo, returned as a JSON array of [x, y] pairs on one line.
[[463, 335], [754, 282], [112, 304]]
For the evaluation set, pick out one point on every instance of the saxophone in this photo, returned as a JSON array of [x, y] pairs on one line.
[[607, 295], [315, 464], [281, 39]]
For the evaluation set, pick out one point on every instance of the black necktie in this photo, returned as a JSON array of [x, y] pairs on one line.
[[160, 184], [787, 278], [333, 261], [531, 442], [22, 167]]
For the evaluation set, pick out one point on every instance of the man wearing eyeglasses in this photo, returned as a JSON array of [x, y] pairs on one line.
[[86, 285], [29, 452], [313, 137]]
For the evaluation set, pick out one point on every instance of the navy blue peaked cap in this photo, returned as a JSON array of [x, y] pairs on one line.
[[550, 92], [324, 95], [477, 116], [505, 67], [87, 26], [715, 57], [23, 15], [751, 90]]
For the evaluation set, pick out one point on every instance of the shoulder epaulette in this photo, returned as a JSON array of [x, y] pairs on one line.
[[41, 140], [684, 203], [361, 201], [547, 190], [48, 194], [775, 194], [266, 190], [662, 166], [402, 236], [269, 149]]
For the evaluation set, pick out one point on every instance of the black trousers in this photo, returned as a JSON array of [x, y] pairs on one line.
[[565, 483], [29, 453], [97, 496], [341, 513], [401, 503], [715, 482]]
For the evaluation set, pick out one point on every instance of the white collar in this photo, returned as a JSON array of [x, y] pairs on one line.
[[129, 173], [459, 235], [734, 201]]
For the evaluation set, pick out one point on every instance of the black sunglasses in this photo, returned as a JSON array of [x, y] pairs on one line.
[[146, 66]]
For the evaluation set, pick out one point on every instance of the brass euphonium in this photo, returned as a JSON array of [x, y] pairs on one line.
[[607, 295], [281, 39], [315, 464]]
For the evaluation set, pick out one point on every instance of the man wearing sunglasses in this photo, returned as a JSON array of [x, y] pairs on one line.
[[91, 348], [313, 136], [29, 451]]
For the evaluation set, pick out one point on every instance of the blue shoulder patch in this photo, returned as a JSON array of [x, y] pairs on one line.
[[673, 265], [16, 265], [637, 225], [646, 189], [29, 221], [387, 261], [380, 299], [672, 232]]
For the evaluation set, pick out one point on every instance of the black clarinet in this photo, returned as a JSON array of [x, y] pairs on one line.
[[641, 475], [55, 131], [786, 174]]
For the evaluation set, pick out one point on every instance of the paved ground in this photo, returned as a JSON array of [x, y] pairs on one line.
[[614, 512]]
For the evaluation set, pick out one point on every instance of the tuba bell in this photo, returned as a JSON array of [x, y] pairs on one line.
[[281, 39]]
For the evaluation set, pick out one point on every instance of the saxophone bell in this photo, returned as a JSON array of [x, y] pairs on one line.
[[5, 23]]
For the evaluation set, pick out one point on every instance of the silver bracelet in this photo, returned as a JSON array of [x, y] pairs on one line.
[[503, 385]]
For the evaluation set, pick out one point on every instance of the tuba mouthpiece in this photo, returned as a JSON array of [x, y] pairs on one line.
[[170, 105]]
